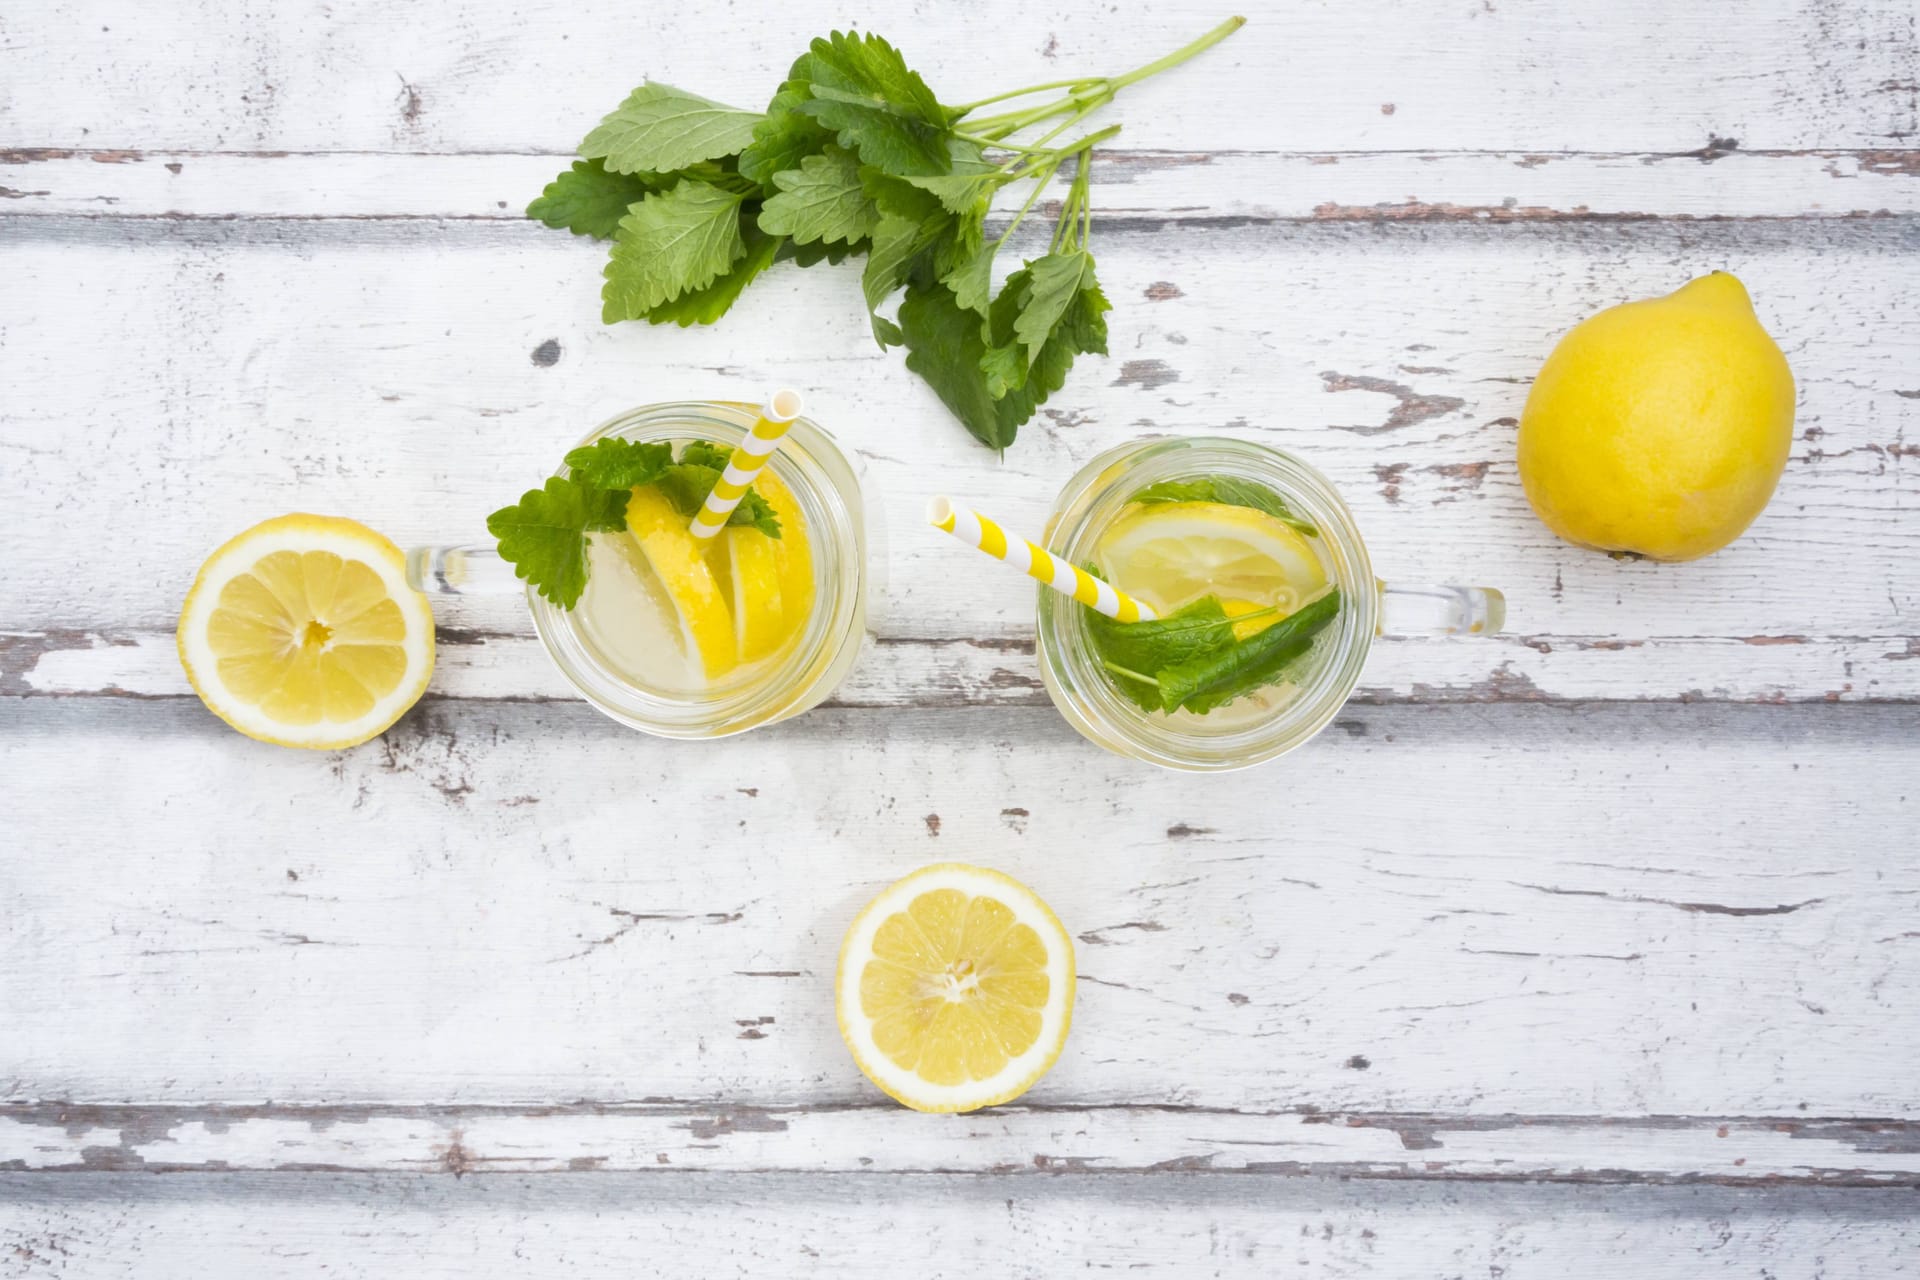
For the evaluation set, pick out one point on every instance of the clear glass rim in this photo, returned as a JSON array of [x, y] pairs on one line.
[[1070, 668], [839, 566]]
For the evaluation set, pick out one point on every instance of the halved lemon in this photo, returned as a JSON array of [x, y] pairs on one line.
[[303, 632], [1170, 554], [955, 989], [678, 561]]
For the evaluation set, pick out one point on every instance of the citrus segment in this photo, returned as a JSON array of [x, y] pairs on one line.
[[792, 551], [302, 631], [955, 989]]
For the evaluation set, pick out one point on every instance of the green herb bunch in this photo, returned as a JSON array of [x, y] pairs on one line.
[[544, 535], [854, 154]]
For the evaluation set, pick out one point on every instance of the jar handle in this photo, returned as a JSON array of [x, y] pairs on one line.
[[472, 570], [1435, 609]]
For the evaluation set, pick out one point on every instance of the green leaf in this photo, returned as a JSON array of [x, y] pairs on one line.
[[860, 87], [1212, 680], [1193, 631], [672, 243], [1054, 282], [613, 463], [705, 453], [970, 182], [544, 535], [945, 348], [808, 255], [687, 485], [972, 280], [1004, 369], [785, 135], [822, 200], [898, 243], [707, 304], [1230, 490], [660, 128], [589, 201]]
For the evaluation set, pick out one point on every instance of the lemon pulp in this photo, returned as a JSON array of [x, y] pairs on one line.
[[955, 989], [302, 631]]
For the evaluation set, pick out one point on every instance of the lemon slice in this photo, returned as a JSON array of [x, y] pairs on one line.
[[302, 631], [1170, 554], [955, 989], [676, 558], [792, 551], [759, 618]]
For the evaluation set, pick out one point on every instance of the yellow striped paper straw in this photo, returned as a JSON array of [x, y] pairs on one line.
[[751, 454], [976, 530]]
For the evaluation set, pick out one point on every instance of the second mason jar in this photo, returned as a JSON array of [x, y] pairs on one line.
[[1255, 728]]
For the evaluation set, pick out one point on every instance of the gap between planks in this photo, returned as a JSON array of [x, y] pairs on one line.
[[1001, 671], [1352, 186], [710, 1137]]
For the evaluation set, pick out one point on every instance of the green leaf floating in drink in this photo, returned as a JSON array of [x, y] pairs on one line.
[[1199, 658], [544, 535]]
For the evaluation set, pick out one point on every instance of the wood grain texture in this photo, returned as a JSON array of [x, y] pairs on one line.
[[1398, 186], [944, 1228], [1556, 955], [881, 1138], [267, 367], [1398, 74], [1468, 911]]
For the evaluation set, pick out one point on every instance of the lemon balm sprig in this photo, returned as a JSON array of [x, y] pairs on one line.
[[854, 155]]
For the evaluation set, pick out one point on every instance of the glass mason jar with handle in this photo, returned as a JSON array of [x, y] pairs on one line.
[[815, 479], [1257, 731]]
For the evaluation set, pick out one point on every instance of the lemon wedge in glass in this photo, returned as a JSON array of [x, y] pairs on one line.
[[1170, 554], [753, 572], [303, 632], [955, 989], [678, 561]]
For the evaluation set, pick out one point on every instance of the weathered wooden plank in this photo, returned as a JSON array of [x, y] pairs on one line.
[[1390, 74], [389, 372], [1501, 911], [1340, 186], [60, 1138], [1001, 671], [944, 1228]]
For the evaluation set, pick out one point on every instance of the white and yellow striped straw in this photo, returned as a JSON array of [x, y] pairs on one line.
[[1033, 560], [751, 454]]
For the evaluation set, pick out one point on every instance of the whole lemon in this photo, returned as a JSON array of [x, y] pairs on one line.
[[1659, 427]]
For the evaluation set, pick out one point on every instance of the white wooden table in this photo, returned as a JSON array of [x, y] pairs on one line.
[[1593, 949]]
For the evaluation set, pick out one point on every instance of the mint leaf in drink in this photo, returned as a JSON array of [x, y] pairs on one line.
[[1054, 283], [822, 200], [687, 485], [660, 128], [705, 453], [613, 463], [1232, 491], [860, 87], [672, 243], [544, 535], [1195, 630], [1210, 680], [708, 303], [590, 201]]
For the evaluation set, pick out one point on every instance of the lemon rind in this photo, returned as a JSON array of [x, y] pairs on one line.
[[299, 533], [1022, 1072]]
